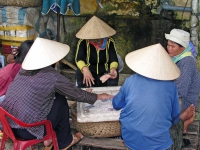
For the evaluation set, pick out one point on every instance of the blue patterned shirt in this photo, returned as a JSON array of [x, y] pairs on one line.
[[188, 83]]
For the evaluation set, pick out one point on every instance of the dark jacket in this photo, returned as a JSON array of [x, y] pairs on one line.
[[98, 61]]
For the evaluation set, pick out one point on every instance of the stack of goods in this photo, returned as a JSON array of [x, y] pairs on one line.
[[13, 35], [15, 26]]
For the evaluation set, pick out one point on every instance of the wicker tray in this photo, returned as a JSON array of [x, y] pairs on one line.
[[95, 129], [21, 3]]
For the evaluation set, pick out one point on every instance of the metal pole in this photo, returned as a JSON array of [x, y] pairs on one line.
[[58, 25], [177, 8], [194, 24]]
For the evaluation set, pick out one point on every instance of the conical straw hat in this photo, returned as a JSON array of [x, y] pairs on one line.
[[44, 53], [153, 62], [95, 28]]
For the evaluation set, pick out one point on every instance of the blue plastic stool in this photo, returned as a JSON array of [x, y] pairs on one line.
[[2, 60]]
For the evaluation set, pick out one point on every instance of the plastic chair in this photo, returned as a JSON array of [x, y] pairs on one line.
[[20, 144]]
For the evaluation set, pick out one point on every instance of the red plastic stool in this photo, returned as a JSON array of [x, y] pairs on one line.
[[20, 144]]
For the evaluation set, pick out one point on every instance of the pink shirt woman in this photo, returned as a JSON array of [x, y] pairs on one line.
[[8, 73]]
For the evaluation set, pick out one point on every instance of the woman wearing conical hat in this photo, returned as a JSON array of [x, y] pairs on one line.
[[38, 93], [149, 102], [96, 55]]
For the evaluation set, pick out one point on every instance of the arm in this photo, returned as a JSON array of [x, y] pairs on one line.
[[187, 68], [81, 54], [113, 61], [80, 59], [65, 87], [119, 99], [175, 107]]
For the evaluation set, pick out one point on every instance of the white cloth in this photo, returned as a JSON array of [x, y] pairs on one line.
[[2, 98]]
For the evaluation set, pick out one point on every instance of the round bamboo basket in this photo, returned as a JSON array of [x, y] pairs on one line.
[[95, 129]]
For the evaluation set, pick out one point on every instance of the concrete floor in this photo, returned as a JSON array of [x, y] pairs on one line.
[[9, 146]]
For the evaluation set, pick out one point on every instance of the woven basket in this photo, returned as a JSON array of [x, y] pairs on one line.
[[95, 129], [21, 3]]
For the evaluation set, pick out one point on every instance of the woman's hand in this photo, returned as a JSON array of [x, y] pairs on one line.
[[104, 96], [113, 73], [89, 90], [88, 78], [11, 59], [105, 77]]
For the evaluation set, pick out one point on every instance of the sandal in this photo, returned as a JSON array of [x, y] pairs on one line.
[[76, 138], [1, 134], [186, 142]]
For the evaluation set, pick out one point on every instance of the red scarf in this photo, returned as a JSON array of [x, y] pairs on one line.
[[100, 46]]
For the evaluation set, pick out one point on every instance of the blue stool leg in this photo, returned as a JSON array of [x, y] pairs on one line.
[[2, 60]]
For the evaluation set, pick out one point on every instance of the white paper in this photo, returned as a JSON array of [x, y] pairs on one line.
[[102, 110]]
